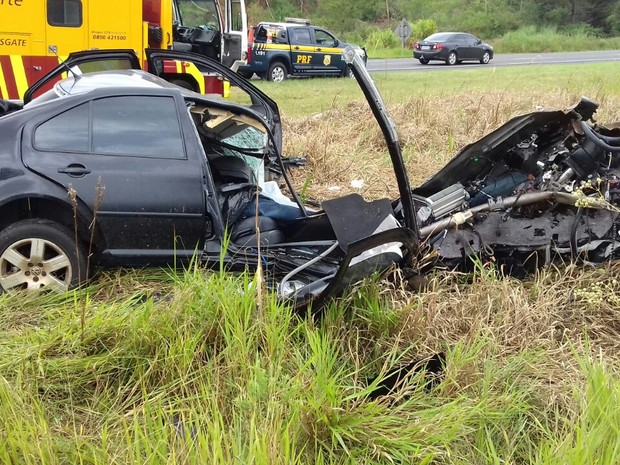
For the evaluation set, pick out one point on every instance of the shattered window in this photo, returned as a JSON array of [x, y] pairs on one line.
[[251, 139]]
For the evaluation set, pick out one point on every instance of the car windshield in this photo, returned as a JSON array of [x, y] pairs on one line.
[[199, 13], [439, 37]]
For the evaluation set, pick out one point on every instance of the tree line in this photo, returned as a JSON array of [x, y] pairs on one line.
[[491, 18]]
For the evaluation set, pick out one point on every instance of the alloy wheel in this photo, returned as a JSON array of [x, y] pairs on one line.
[[34, 263]]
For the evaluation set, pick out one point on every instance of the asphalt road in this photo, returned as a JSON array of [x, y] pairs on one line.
[[517, 59]]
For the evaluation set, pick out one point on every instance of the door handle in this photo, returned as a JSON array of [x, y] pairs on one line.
[[318, 49], [75, 170]]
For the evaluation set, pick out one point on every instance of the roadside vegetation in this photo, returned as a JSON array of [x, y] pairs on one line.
[[510, 26], [197, 366], [384, 44]]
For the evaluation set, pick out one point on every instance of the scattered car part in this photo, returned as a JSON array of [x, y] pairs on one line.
[[543, 185]]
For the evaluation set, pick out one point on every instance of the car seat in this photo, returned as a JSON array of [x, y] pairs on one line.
[[234, 180]]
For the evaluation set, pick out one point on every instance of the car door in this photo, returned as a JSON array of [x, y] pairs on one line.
[[235, 34], [126, 156], [84, 62], [242, 91], [303, 54], [476, 49], [468, 45], [328, 55]]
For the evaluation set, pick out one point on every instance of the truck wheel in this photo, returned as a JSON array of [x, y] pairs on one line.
[[182, 83], [39, 255], [246, 74], [277, 72]]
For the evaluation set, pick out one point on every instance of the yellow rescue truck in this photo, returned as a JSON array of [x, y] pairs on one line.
[[36, 35]]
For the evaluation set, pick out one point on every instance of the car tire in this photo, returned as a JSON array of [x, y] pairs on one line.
[[424, 61], [452, 59], [348, 73], [277, 72], [486, 57], [40, 255]]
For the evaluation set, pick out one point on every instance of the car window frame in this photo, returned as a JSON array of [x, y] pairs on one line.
[[56, 115], [64, 24], [90, 102], [461, 39], [293, 39], [318, 29], [123, 98]]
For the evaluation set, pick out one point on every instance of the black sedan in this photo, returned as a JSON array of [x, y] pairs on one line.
[[122, 168], [452, 48]]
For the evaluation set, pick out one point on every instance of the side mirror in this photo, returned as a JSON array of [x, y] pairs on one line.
[[478, 41]]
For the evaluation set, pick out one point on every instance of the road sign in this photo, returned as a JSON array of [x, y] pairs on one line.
[[403, 31]]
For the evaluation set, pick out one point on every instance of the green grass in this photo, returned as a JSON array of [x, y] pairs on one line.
[[196, 372], [196, 366], [298, 97]]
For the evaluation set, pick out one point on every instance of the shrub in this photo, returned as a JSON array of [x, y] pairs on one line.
[[382, 38], [423, 28]]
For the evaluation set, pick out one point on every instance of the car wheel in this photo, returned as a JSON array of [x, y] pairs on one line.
[[424, 61], [452, 58], [486, 57], [39, 255], [277, 72], [348, 72]]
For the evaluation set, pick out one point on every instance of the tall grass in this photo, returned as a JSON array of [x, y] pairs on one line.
[[532, 40], [166, 367], [193, 373]]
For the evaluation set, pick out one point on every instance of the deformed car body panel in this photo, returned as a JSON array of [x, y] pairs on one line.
[[78, 150], [545, 184]]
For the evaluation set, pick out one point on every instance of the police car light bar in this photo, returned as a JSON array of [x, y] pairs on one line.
[[305, 22]]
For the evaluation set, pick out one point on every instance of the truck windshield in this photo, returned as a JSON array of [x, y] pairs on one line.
[[199, 13]]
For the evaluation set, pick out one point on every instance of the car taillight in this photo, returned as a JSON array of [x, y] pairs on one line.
[[416, 46], [249, 53], [438, 47]]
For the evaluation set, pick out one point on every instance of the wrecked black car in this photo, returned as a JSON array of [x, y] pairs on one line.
[[121, 168]]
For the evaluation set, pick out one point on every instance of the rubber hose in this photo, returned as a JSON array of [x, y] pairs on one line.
[[597, 139]]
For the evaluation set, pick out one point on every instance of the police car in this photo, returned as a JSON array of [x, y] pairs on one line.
[[295, 48]]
